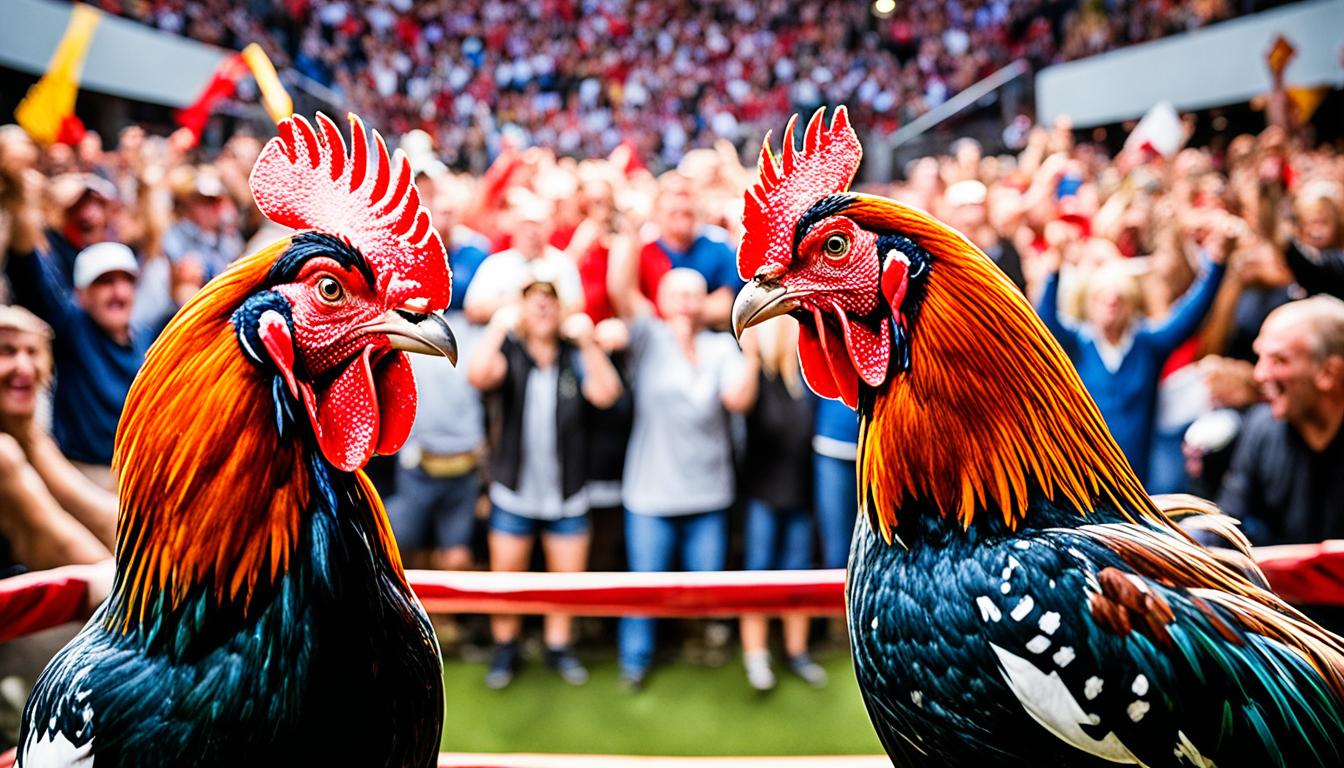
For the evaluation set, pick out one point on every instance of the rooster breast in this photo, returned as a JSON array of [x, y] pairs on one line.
[[988, 651]]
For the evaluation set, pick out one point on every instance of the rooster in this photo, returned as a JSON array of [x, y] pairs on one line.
[[259, 613], [1015, 598]]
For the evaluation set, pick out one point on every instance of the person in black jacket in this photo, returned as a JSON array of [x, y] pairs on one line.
[[777, 484], [543, 370], [1315, 255]]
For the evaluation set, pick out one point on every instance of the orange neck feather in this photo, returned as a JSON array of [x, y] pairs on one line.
[[210, 493], [991, 407]]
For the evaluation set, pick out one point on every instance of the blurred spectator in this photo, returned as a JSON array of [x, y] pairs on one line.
[[684, 243], [83, 203], [835, 447], [1118, 355], [543, 366], [202, 242], [1316, 255], [438, 480], [499, 280], [1285, 484], [678, 482], [967, 213], [50, 514], [777, 484], [98, 351]]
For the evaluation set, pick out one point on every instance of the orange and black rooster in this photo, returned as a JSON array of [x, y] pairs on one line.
[[260, 615], [1016, 599]]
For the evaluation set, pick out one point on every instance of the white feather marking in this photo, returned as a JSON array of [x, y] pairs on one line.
[[1092, 688], [988, 610], [1063, 657], [1137, 710], [56, 752], [1140, 686], [1049, 622], [1047, 699], [1038, 644], [1024, 606]]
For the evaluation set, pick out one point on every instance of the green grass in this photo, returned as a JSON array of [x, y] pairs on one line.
[[683, 710]]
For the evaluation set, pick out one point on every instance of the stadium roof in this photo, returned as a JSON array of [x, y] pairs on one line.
[[125, 59]]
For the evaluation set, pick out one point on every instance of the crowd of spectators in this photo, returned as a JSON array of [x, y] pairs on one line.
[[601, 407], [583, 76]]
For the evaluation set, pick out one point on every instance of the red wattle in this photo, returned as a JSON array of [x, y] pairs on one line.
[[812, 359], [396, 401], [837, 360], [347, 416], [869, 352]]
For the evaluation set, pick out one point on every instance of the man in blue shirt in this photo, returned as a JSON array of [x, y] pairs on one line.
[[683, 242], [97, 350], [1118, 355]]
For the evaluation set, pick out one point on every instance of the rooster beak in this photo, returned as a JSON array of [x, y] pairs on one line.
[[429, 336], [759, 301]]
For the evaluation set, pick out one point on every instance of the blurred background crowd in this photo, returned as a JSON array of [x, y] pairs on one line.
[[584, 167], [583, 77]]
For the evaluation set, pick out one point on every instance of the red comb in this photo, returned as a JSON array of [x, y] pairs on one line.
[[305, 180], [824, 166]]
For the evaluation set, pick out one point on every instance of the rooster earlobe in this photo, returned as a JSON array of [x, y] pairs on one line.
[[273, 330]]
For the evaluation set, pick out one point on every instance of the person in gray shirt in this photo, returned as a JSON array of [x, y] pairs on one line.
[[544, 369], [678, 481]]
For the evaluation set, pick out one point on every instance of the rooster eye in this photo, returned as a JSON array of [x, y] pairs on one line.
[[329, 289], [835, 246]]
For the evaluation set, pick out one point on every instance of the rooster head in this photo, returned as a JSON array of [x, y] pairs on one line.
[[952, 372], [851, 267], [363, 281]]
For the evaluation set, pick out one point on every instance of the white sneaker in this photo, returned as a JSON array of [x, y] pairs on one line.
[[759, 674]]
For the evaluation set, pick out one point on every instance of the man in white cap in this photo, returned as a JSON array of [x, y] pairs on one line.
[[97, 350]]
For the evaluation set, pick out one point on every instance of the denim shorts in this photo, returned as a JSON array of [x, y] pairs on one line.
[[518, 525]]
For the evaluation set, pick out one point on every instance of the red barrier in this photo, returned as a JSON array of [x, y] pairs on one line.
[[1305, 574], [722, 593]]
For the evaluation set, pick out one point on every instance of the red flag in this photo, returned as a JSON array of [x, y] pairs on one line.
[[221, 86]]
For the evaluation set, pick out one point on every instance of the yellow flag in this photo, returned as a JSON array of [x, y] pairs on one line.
[[1306, 99], [51, 100], [273, 95]]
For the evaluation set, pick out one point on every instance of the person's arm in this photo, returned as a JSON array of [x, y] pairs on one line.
[[571, 286], [1190, 310], [1048, 307], [743, 380], [1316, 271], [94, 507], [42, 534], [601, 383], [488, 365], [37, 285], [623, 278]]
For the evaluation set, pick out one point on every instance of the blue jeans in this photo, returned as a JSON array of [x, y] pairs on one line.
[[651, 543], [777, 538], [837, 501], [504, 521]]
